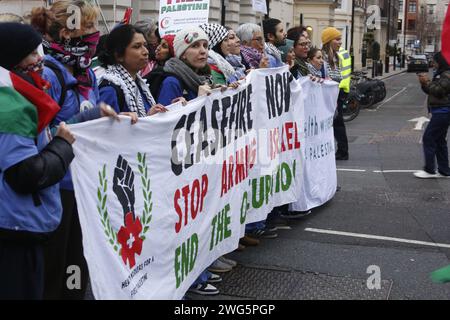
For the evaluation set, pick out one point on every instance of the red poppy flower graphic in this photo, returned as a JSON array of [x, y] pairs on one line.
[[128, 237]]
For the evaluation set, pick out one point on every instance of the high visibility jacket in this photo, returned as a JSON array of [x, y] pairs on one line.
[[345, 62]]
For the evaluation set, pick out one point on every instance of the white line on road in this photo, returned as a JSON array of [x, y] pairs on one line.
[[386, 101], [370, 236], [394, 171], [376, 171]]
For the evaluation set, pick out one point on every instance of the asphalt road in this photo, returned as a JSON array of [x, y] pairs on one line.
[[302, 264]]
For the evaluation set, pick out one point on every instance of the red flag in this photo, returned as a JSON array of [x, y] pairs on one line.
[[446, 37], [46, 107]]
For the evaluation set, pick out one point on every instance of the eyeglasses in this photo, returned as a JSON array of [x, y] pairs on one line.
[[259, 39], [304, 44]]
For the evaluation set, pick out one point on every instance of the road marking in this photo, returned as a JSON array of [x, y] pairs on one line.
[[420, 122], [394, 171], [375, 171], [370, 236], [386, 101]]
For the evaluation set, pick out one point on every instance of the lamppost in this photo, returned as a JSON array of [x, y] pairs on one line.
[[223, 12], [405, 12], [386, 69], [352, 56]]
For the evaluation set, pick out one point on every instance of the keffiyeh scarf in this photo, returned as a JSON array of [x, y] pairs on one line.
[[119, 76]]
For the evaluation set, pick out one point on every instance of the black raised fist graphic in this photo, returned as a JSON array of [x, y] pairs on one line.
[[123, 185]]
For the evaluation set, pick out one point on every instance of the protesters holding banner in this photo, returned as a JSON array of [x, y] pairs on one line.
[[301, 49], [435, 135], [275, 37], [30, 168], [222, 71], [121, 86], [188, 72], [164, 52], [316, 63], [74, 85], [151, 34], [234, 57], [332, 41], [252, 46]]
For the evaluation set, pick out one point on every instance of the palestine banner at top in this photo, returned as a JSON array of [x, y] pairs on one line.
[[176, 15]]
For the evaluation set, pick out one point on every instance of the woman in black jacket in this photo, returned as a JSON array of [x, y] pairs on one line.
[[435, 135]]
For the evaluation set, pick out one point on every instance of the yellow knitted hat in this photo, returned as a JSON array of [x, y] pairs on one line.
[[330, 34]]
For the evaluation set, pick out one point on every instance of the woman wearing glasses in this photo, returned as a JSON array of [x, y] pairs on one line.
[[301, 48]]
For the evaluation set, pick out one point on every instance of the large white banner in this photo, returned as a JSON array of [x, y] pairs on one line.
[[319, 180], [175, 15], [159, 201]]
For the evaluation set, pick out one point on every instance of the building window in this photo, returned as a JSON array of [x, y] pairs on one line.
[[429, 41], [400, 25], [412, 7], [411, 24], [431, 9], [400, 9]]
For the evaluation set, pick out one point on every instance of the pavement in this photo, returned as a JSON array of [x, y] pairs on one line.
[[380, 237]]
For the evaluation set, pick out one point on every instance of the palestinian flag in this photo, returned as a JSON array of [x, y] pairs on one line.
[[24, 108], [446, 37]]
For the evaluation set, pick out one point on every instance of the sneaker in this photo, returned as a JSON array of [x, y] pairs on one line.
[[214, 278], [248, 241], [278, 224], [442, 175], [295, 214], [219, 267], [425, 175], [263, 233], [204, 289], [230, 262]]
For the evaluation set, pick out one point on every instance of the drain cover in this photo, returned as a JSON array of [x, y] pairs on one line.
[[259, 283]]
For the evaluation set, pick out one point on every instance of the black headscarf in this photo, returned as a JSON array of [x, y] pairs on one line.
[[443, 64]]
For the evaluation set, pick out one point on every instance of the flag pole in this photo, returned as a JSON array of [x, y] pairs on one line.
[[103, 16]]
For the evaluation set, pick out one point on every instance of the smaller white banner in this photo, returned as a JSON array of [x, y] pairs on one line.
[[259, 6], [174, 16]]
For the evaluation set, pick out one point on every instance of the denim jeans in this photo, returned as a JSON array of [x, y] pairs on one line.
[[435, 143]]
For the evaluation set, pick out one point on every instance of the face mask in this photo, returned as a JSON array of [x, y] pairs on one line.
[[76, 52]]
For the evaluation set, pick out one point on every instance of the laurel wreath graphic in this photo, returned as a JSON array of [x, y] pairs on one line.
[[148, 205], [102, 209]]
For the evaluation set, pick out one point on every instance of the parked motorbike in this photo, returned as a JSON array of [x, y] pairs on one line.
[[372, 91]]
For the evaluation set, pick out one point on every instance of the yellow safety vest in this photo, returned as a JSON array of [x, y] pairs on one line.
[[345, 63]]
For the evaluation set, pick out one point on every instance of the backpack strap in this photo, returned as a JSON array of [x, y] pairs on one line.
[[119, 93], [59, 75]]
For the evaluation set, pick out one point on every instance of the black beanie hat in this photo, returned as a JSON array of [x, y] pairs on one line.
[[18, 41]]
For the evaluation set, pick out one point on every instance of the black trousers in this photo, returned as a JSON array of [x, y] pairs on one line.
[[21, 271], [65, 249], [435, 144], [340, 133]]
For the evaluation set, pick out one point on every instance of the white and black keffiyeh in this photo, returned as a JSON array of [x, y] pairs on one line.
[[273, 51], [216, 33], [119, 76]]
